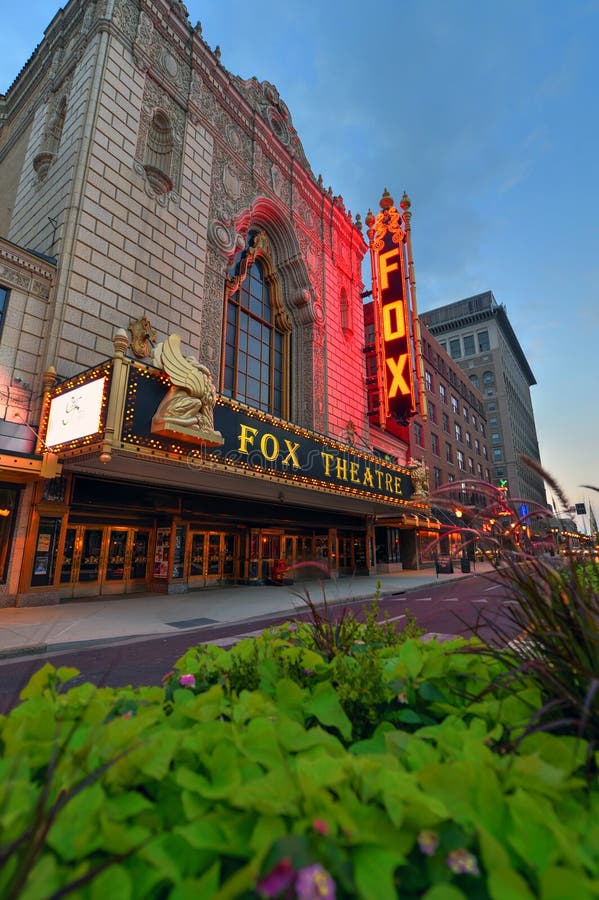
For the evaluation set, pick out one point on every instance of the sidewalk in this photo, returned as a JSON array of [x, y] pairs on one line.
[[31, 630]]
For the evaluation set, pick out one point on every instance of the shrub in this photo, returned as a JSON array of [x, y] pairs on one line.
[[202, 790]]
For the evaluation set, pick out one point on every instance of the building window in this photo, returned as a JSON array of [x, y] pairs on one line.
[[3, 306], [418, 434], [437, 477], [497, 454], [454, 404], [483, 341], [477, 446], [432, 413], [482, 429], [444, 345], [257, 336], [448, 453], [9, 501], [451, 476], [485, 452], [445, 423], [475, 381], [428, 380], [488, 378], [468, 439], [471, 465], [455, 350], [479, 470], [435, 443], [474, 422], [458, 432], [460, 458], [443, 393], [469, 345], [495, 437]]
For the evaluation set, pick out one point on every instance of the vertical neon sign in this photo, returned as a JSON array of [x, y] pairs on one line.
[[394, 347]]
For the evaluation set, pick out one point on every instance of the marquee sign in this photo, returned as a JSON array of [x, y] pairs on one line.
[[76, 411], [396, 368], [256, 443]]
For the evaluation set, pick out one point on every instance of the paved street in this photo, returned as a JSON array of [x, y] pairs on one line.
[[139, 651]]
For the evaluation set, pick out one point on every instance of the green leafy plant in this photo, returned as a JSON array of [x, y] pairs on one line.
[[555, 612]]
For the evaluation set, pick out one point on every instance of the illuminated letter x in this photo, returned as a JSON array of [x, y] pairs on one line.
[[399, 383]]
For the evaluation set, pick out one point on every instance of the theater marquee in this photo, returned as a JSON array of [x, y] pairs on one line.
[[255, 443]]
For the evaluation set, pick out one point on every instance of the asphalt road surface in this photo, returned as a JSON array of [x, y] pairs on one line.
[[479, 603]]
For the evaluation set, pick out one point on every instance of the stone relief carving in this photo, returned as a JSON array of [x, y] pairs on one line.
[[125, 17], [143, 337], [156, 98], [187, 410], [419, 478], [13, 276], [39, 289]]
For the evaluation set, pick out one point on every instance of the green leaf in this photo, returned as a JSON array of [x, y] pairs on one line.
[[324, 705], [115, 882], [196, 888], [374, 869], [446, 892], [503, 882], [558, 883], [125, 806], [259, 743], [411, 656], [75, 834]]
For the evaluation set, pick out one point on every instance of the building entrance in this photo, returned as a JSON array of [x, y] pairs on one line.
[[213, 558], [100, 559]]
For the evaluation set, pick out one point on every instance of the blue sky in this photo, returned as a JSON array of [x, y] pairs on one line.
[[486, 114]]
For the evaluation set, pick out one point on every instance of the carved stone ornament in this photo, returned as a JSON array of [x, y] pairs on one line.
[[187, 410], [419, 478], [143, 337]]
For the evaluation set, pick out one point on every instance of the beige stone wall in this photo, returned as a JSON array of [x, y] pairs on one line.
[[125, 250]]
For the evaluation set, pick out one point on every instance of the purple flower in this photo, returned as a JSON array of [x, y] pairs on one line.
[[314, 883], [277, 880], [462, 863], [428, 842], [187, 680]]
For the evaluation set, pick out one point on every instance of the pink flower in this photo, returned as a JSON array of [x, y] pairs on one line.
[[428, 842], [187, 680], [278, 879], [127, 715], [314, 883], [463, 863], [320, 826]]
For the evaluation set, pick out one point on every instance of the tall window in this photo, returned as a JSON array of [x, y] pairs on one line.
[[483, 341], [257, 335], [435, 443], [3, 305], [428, 380], [468, 344], [454, 348]]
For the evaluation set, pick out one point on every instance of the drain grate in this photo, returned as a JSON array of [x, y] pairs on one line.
[[192, 623]]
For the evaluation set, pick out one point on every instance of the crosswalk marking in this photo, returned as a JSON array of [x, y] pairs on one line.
[[450, 599]]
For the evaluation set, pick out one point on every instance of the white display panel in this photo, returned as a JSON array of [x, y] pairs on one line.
[[75, 414]]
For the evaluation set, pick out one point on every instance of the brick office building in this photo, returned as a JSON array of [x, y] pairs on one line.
[[166, 197]]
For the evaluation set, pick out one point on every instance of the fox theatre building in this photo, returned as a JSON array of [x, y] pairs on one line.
[[167, 486]]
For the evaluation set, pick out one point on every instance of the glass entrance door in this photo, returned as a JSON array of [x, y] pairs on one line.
[[212, 558], [104, 560]]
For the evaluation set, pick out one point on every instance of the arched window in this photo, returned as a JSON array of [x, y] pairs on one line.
[[488, 378], [159, 153], [255, 369]]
